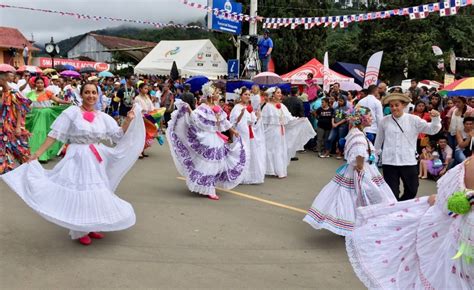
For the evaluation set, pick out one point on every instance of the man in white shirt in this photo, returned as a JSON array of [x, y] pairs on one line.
[[398, 133], [26, 54], [54, 86], [372, 102]]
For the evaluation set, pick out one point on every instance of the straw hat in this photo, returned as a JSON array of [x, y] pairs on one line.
[[396, 96]]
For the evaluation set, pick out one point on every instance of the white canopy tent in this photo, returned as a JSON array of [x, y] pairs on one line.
[[193, 57]]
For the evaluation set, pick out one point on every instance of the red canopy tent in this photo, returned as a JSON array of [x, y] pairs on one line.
[[299, 75]]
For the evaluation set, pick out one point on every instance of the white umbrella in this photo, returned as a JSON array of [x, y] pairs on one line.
[[347, 86], [267, 78]]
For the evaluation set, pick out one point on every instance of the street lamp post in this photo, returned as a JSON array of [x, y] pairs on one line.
[[52, 49]]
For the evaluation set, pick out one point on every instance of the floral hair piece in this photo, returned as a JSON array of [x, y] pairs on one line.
[[45, 80], [270, 91], [357, 115], [208, 89], [238, 91], [461, 203]]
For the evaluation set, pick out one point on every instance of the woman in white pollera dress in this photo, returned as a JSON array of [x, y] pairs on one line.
[[200, 151], [357, 183], [249, 125], [284, 134], [78, 193]]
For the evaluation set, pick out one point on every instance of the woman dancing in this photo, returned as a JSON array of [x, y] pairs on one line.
[[357, 183], [78, 193], [144, 100], [249, 125], [200, 151], [14, 149], [284, 134], [41, 117], [422, 243]]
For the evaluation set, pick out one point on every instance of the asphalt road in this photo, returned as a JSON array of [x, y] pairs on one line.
[[182, 240]]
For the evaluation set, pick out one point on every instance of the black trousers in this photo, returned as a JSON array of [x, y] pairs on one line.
[[167, 117], [409, 177]]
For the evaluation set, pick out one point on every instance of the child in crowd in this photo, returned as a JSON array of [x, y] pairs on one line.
[[340, 127], [426, 158], [324, 115]]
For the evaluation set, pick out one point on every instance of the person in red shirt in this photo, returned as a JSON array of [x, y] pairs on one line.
[[421, 111]]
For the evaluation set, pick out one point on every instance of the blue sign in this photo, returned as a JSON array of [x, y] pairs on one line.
[[220, 23], [233, 69]]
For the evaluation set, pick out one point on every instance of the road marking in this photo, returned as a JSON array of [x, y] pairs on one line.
[[277, 204]]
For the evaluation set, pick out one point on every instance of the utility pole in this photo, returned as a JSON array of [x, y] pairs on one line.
[[253, 13], [238, 44], [252, 25]]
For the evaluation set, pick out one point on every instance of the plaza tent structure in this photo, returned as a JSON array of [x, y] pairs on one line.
[[353, 70], [299, 75], [192, 57]]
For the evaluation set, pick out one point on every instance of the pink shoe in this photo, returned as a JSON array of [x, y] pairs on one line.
[[213, 197], [85, 240], [95, 235]]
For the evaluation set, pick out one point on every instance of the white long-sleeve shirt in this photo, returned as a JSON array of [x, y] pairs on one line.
[[376, 109], [399, 149]]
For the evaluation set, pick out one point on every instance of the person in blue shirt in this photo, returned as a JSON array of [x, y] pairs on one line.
[[265, 47]]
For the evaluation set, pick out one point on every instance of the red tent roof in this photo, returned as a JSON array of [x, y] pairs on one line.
[[299, 75]]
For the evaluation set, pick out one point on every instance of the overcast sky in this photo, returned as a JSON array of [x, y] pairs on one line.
[[44, 25]]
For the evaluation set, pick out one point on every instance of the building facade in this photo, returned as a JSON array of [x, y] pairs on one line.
[[11, 46], [100, 48]]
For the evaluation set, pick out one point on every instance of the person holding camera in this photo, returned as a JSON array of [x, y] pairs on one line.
[[265, 48], [398, 133]]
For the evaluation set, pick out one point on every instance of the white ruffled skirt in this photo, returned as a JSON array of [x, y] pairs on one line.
[[407, 245], [255, 172], [75, 194], [335, 206], [277, 151], [298, 133]]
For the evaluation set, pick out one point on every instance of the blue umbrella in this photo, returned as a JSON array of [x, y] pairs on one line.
[[197, 82], [69, 67], [106, 74]]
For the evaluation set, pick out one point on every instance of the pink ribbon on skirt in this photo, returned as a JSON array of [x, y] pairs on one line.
[[95, 152], [222, 136]]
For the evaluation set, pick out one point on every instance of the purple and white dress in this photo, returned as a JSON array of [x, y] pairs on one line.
[[335, 206], [410, 245], [201, 153]]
